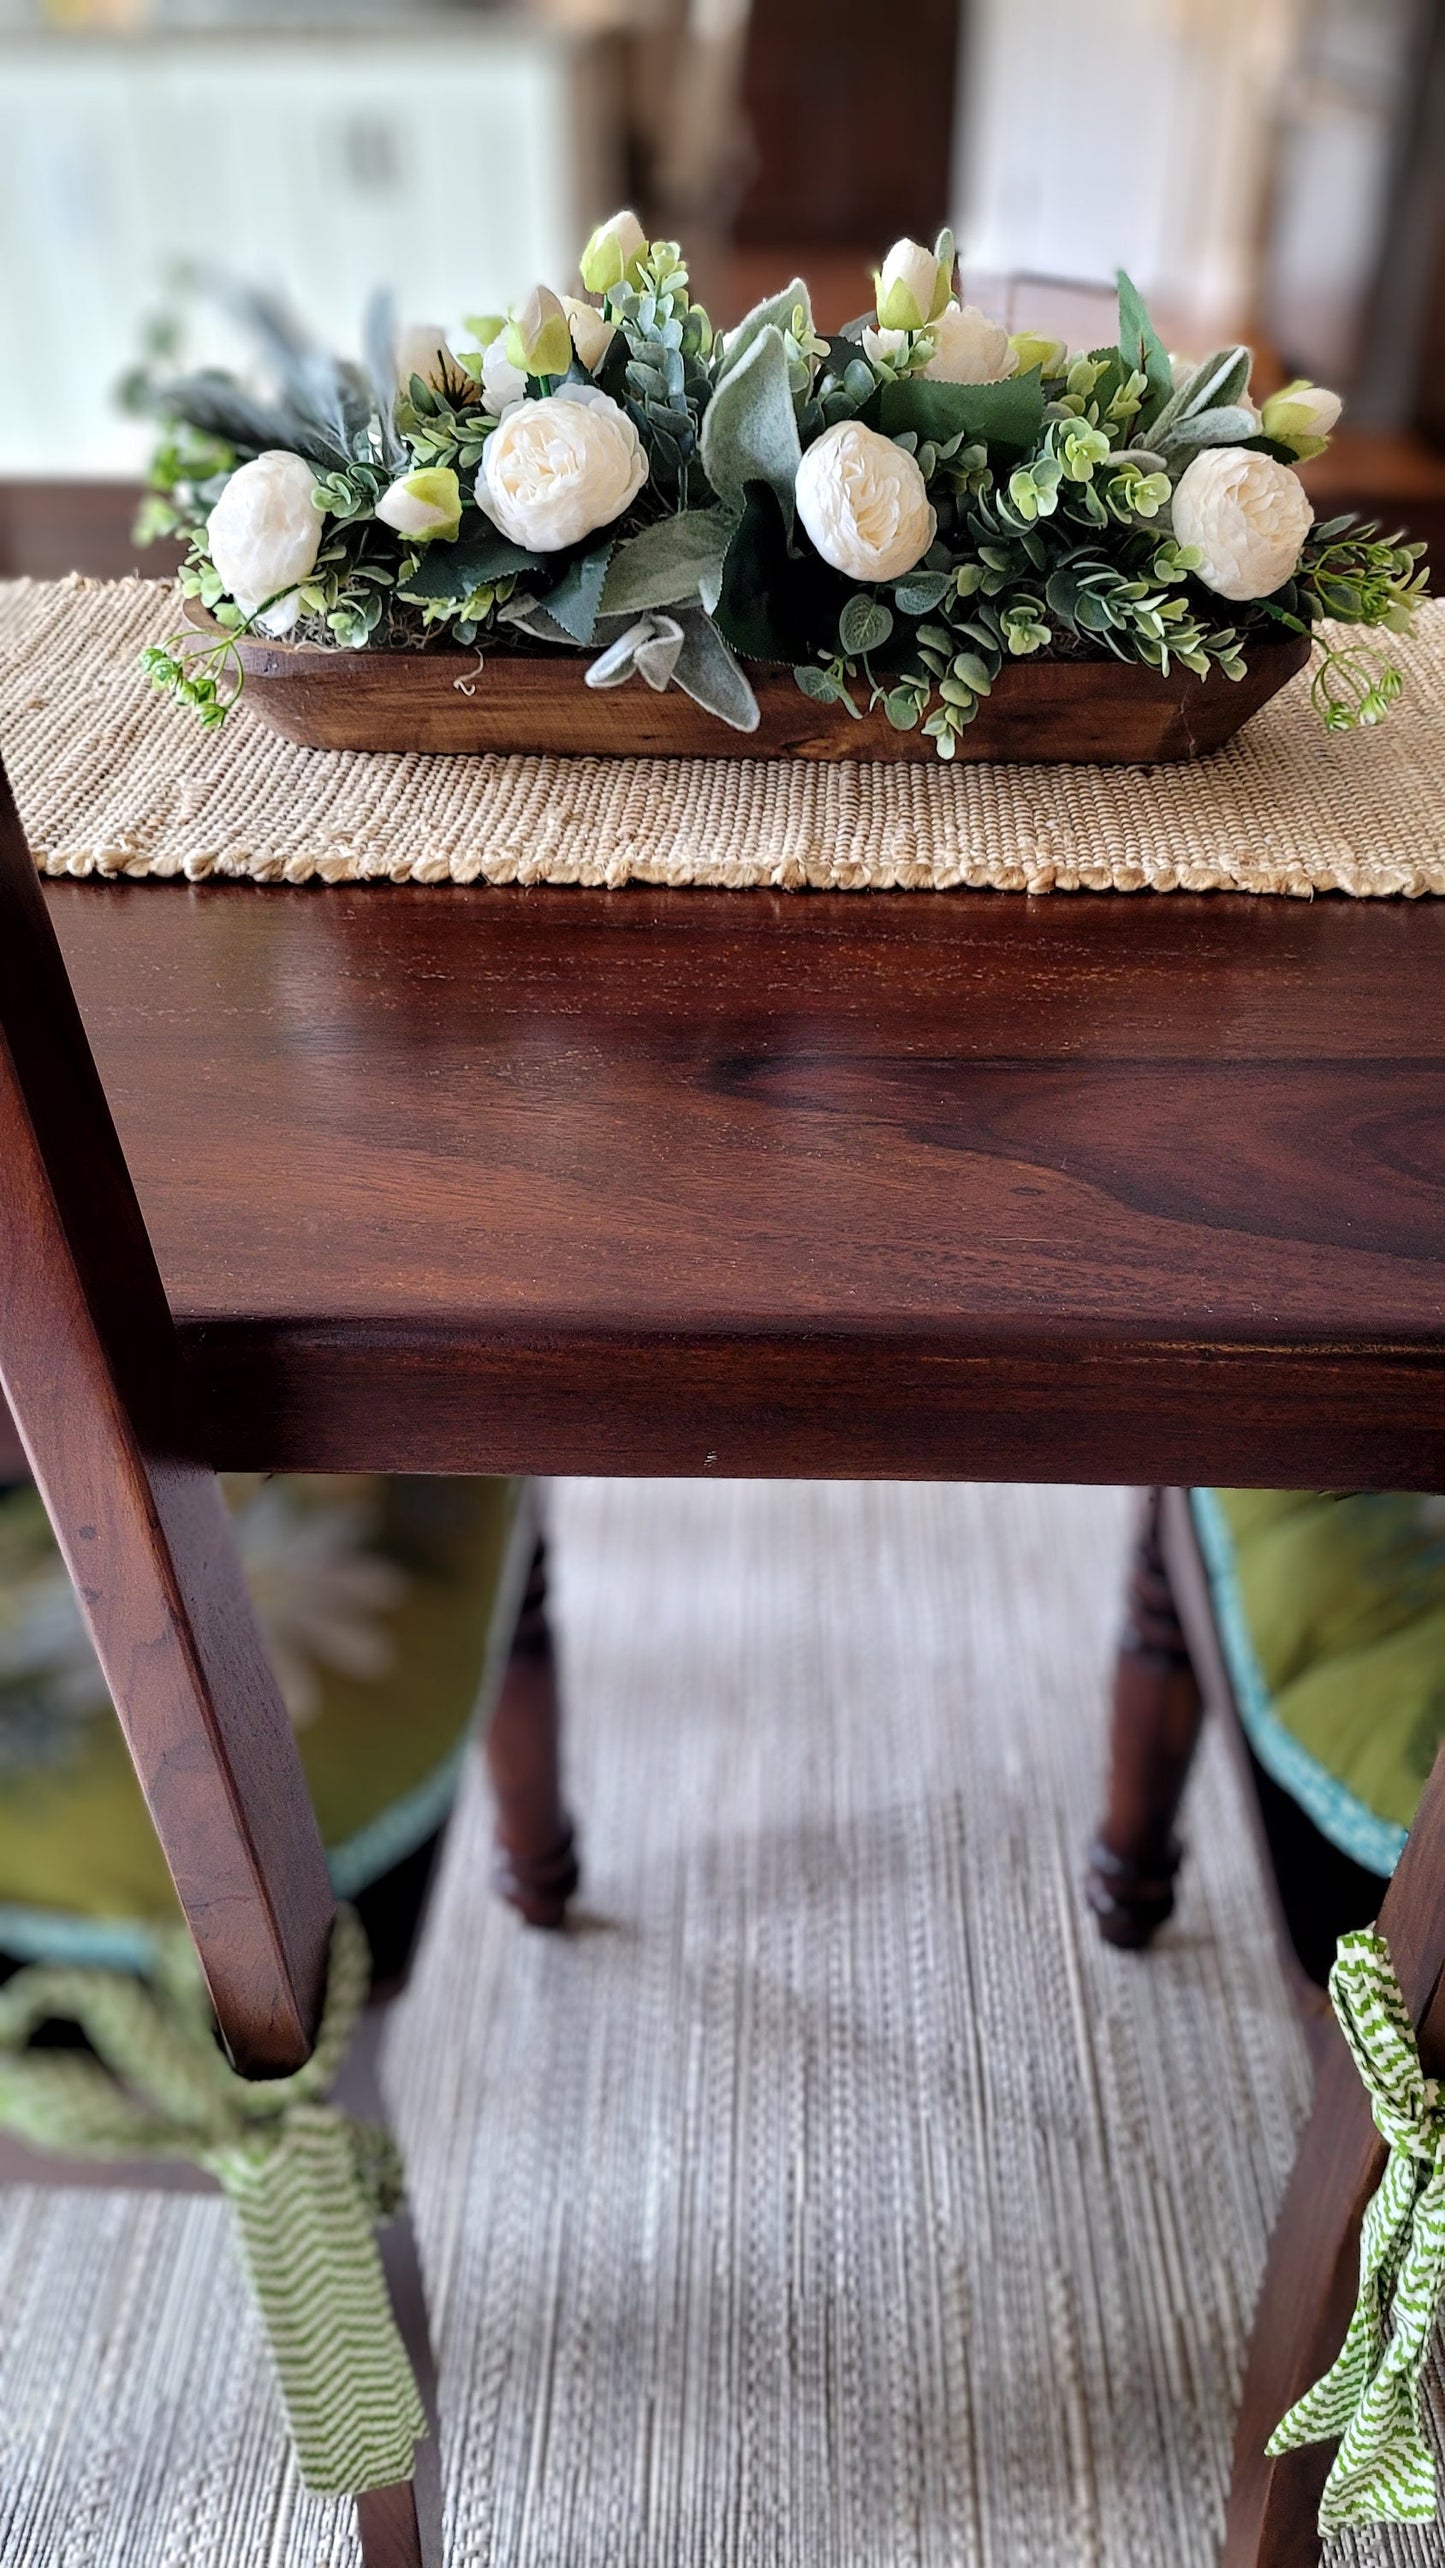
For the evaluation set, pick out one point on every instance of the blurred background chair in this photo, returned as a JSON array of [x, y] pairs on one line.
[[1314, 1625]]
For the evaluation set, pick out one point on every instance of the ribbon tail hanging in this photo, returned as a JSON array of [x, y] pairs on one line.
[[305, 2210]]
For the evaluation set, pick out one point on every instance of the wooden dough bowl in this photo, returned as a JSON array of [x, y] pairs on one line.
[[1108, 711]]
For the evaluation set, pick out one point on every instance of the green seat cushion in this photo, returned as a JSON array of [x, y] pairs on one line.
[[387, 1605], [1331, 1612]]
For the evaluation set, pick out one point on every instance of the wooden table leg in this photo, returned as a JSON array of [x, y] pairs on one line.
[[536, 1864], [1313, 2271], [91, 1368], [1157, 1715]]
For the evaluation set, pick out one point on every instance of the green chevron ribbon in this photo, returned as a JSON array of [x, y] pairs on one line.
[[1373, 2397], [308, 2183]]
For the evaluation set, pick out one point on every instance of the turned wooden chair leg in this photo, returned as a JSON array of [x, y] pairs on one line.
[[536, 1865], [1157, 1715]]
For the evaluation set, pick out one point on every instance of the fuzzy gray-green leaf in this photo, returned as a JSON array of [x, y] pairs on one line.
[[750, 428], [678, 558]]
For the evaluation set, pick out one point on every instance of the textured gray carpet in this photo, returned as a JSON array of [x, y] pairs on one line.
[[830, 2199]]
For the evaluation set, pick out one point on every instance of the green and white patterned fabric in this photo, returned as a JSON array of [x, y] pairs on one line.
[[387, 1606], [1331, 1613], [308, 2183], [1372, 2398]]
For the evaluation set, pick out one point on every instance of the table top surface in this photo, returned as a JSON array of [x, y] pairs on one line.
[[1089, 1187]]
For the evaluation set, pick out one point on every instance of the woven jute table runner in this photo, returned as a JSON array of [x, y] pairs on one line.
[[113, 780]]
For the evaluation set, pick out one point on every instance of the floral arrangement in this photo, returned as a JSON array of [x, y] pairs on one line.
[[894, 513]]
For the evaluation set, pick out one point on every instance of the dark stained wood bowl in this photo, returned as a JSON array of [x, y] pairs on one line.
[[1108, 711]]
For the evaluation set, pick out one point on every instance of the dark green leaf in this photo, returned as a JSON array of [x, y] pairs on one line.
[[1141, 348], [452, 571], [577, 597], [773, 604], [1007, 415]]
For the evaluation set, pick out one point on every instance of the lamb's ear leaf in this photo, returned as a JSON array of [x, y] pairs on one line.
[[577, 597], [708, 672], [750, 427], [1209, 428], [1216, 384], [775, 312], [664, 565], [1142, 349]]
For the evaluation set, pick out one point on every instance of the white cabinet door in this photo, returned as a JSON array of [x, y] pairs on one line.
[[456, 173]]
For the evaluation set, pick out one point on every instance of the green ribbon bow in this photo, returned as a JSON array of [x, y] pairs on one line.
[[308, 2183], [1373, 2397]]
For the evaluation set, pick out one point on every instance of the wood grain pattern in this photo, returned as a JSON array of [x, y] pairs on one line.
[[960, 1186], [1106, 711], [92, 1374]]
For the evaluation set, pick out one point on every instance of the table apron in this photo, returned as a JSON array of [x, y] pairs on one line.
[[870, 1405]]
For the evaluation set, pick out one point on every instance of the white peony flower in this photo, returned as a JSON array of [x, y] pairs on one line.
[[911, 287], [885, 347], [1246, 515], [556, 469], [423, 349], [423, 505], [592, 332], [502, 382], [264, 535], [968, 347], [864, 502]]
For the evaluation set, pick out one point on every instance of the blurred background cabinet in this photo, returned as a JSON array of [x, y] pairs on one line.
[[455, 166]]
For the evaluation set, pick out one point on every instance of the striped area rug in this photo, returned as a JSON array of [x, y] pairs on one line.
[[830, 2198]]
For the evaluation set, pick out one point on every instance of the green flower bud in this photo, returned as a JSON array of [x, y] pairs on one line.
[[1301, 417], [912, 287], [539, 340], [614, 254], [1051, 356], [423, 506]]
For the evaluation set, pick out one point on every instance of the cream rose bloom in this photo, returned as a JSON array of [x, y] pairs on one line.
[[1246, 515], [264, 535], [556, 469], [864, 502], [968, 347]]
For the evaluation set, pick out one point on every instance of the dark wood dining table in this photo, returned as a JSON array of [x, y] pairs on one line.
[[1084, 1188], [1088, 1188]]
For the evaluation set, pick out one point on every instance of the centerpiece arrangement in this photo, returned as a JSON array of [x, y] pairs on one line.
[[920, 535]]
